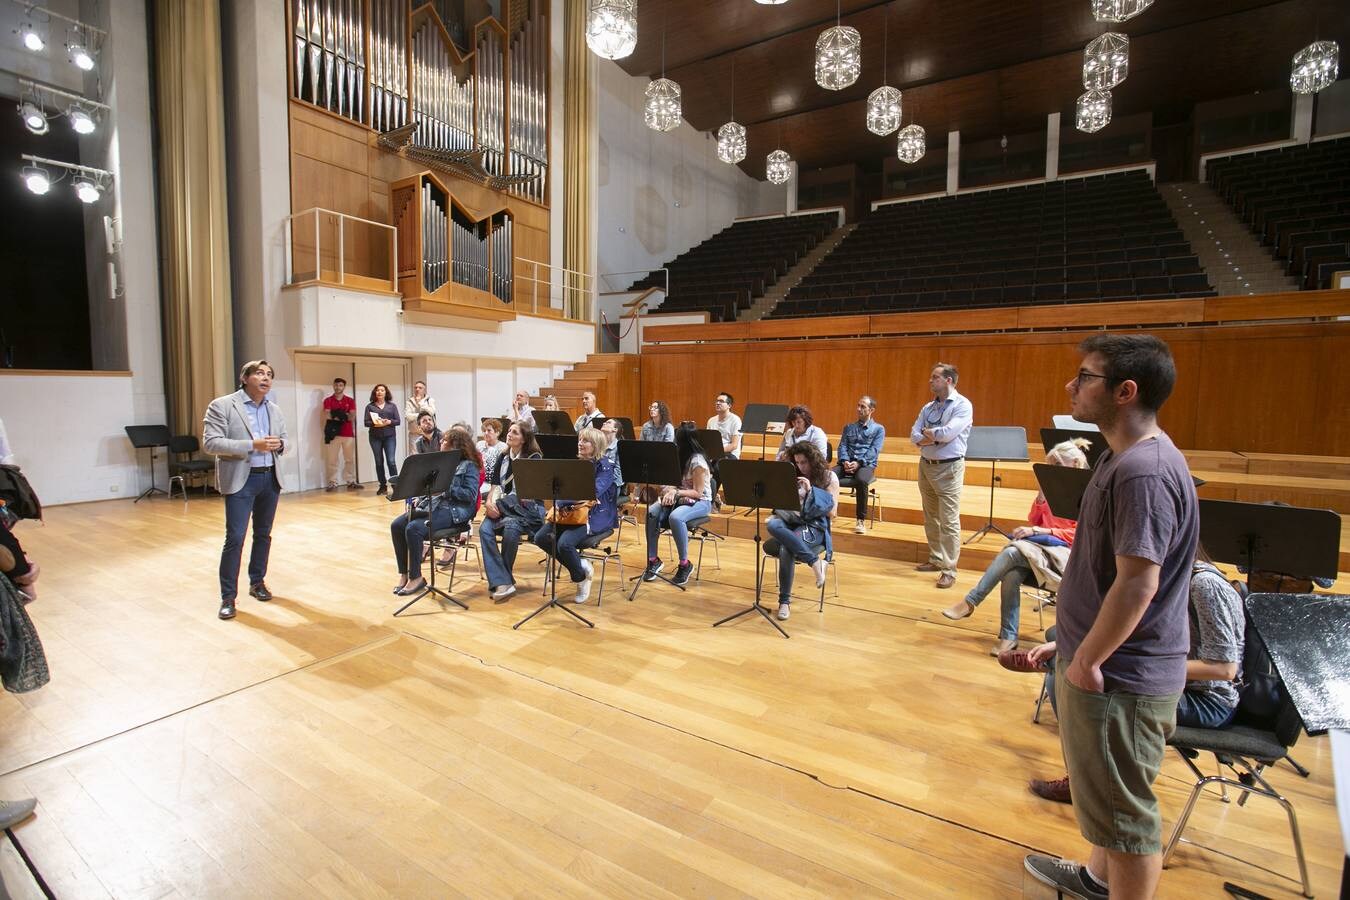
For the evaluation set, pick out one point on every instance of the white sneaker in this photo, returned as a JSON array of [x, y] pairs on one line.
[[503, 592], [819, 567], [784, 610], [859, 529], [584, 587]]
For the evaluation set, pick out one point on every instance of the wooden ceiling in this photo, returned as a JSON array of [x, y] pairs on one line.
[[981, 67]]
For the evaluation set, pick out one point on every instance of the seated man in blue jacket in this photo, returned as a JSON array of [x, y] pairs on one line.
[[859, 450]]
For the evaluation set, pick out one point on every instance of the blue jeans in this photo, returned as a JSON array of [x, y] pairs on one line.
[[410, 534], [569, 537], [1010, 571], [384, 447], [792, 550], [257, 498], [500, 563], [677, 519]]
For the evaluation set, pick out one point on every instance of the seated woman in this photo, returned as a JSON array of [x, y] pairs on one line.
[[800, 426], [802, 536], [658, 427], [677, 506], [1213, 664], [507, 515], [601, 519], [457, 506], [1036, 555], [613, 433], [490, 448]]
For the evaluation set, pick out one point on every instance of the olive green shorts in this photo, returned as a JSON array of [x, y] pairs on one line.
[[1113, 747]]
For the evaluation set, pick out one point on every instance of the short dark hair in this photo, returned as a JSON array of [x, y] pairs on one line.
[[341, 380], [252, 366], [948, 371], [424, 414], [1141, 358], [731, 401]]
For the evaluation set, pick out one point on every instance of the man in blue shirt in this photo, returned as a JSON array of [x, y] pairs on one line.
[[859, 449], [940, 433]]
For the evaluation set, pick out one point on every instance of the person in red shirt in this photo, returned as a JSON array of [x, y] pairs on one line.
[[1046, 537], [339, 436]]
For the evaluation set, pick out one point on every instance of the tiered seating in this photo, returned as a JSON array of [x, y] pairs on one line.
[[725, 273], [1297, 200], [1107, 237]]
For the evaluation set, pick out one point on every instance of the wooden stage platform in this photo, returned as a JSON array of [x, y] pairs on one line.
[[316, 746]]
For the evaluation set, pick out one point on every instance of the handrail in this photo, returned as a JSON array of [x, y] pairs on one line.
[[578, 301], [342, 219], [664, 270]]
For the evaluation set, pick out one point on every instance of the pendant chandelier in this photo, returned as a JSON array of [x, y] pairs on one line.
[[1315, 67], [912, 144], [778, 167], [1106, 61], [1118, 10], [883, 104], [838, 55], [731, 136], [662, 109], [611, 28], [1094, 111]]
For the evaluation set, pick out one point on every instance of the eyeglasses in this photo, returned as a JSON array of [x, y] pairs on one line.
[[1084, 374], [720, 400]]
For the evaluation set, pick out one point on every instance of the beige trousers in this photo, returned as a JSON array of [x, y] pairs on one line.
[[339, 454], [940, 488]]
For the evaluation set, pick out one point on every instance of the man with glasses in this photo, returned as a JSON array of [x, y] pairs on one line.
[[940, 432], [1122, 619], [728, 424]]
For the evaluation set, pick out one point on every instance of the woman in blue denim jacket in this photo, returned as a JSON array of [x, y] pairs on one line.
[[805, 537], [602, 519], [457, 506]]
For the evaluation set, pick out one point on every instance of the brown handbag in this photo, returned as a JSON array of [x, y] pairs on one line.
[[572, 514]]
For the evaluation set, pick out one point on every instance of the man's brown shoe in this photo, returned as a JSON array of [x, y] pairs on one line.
[[1020, 661], [926, 567], [1057, 790], [947, 580]]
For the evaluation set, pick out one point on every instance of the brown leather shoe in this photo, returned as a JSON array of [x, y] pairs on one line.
[[926, 567], [1057, 790], [1020, 661], [946, 580]]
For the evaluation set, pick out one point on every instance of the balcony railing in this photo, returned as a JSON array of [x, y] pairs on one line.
[[327, 247]]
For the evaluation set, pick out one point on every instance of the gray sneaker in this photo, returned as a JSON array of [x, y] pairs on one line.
[[12, 812], [1065, 876], [784, 610]]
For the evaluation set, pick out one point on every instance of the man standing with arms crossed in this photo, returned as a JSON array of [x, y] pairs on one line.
[[940, 433], [339, 453], [246, 433], [1122, 619]]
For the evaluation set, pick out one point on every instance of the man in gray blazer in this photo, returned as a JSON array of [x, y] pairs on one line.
[[246, 432]]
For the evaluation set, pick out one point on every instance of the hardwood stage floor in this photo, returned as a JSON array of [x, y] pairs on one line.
[[316, 746]]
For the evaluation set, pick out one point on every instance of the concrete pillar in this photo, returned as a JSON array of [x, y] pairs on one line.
[[953, 161], [792, 190], [1052, 146], [1302, 124]]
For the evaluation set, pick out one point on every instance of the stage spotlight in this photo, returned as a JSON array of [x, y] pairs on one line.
[[31, 39], [88, 191], [81, 121], [34, 119], [81, 57], [37, 179]]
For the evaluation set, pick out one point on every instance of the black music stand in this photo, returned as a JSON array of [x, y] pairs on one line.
[[994, 444], [1097, 446], [552, 421], [149, 437], [551, 480], [1289, 539], [626, 432], [557, 446], [710, 439], [654, 462], [425, 475], [1062, 487], [756, 421], [759, 484]]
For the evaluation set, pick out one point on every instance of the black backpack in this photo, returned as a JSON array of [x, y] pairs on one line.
[[20, 499], [1261, 691]]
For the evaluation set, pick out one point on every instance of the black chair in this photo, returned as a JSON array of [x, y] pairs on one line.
[[183, 466]]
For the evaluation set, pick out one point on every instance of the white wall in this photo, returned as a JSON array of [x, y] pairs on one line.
[[661, 194], [71, 444]]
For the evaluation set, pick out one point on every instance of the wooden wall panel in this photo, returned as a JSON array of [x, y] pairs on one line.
[[1178, 415], [1043, 368], [899, 384], [1331, 390], [988, 376], [1270, 380]]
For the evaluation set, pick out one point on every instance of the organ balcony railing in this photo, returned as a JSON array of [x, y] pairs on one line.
[[328, 247]]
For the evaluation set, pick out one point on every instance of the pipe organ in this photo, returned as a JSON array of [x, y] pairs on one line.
[[446, 252], [490, 75], [388, 64], [329, 60], [528, 137], [442, 98]]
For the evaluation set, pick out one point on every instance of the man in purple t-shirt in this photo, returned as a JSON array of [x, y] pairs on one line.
[[1121, 619]]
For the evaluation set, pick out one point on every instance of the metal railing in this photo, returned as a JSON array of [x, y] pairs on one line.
[[369, 259], [575, 291], [608, 288]]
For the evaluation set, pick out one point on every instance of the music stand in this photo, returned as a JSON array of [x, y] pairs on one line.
[[552, 421], [994, 444], [1289, 539], [1062, 487], [148, 437], [551, 480], [557, 446], [710, 439], [626, 431], [425, 475], [1096, 442], [759, 484], [756, 421], [653, 462]]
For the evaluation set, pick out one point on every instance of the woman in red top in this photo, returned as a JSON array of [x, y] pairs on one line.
[[1045, 535]]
